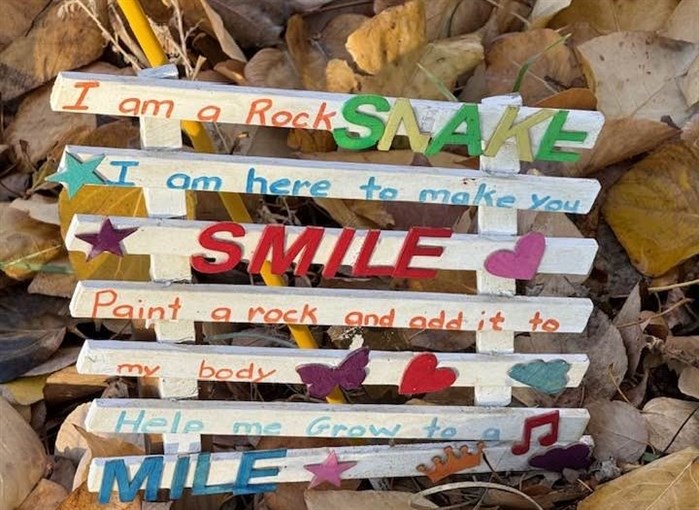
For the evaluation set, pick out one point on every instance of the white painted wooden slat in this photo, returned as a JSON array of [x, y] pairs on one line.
[[131, 416], [321, 306], [189, 100], [372, 461], [461, 251], [261, 175], [158, 136], [276, 365], [497, 222]]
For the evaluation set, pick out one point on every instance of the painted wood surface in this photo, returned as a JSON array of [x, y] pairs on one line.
[[325, 179], [276, 365], [188, 100], [320, 306], [372, 461], [461, 251], [497, 222], [163, 136], [369, 421]]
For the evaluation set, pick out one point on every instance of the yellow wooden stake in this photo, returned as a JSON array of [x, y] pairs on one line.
[[235, 207]]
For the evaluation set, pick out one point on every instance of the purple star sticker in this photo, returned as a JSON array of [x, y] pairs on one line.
[[108, 239], [329, 471]]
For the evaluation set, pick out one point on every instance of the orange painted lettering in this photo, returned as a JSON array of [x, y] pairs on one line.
[[85, 86]]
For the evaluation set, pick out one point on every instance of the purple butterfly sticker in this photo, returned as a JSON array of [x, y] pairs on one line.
[[349, 374]]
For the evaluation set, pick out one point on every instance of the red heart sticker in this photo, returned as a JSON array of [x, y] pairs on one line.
[[422, 376]]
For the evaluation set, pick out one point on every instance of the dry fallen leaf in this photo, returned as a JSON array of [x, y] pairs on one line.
[[228, 44], [688, 382], [544, 10], [556, 67], [27, 244], [619, 431], [335, 33], [617, 15], [627, 321], [351, 500], [306, 54], [670, 483], [82, 499], [663, 190], [665, 417], [683, 25], [54, 43], [273, 68], [47, 495], [620, 139], [616, 63], [17, 17], [389, 47], [24, 459], [450, 18]]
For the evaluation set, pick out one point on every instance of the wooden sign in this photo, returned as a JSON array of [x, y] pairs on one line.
[[145, 416], [357, 122], [254, 471], [327, 307], [500, 131], [218, 247], [550, 373], [289, 177]]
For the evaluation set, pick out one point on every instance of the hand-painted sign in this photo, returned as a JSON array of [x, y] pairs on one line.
[[357, 122], [499, 130]]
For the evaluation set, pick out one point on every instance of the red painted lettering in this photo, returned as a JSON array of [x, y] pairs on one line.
[[97, 302], [361, 266], [323, 117], [265, 104], [281, 118], [204, 116], [411, 248], [231, 249], [297, 120], [85, 86], [341, 246], [273, 239]]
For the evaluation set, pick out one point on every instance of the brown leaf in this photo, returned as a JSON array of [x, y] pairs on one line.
[[27, 244], [335, 33], [627, 321], [273, 68], [544, 11], [615, 64], [663, 189], [619, 431], [24, 459], [682, 24], [688, 382], [555, 68], [669, 483], [450, 18], [53, 44], [620, 139], [228, 44], [683, 348], [602, 343], [308, 58], [665, 417], [571, 99], [46, 495], [392, 47], [386, 500], [82, 499], [618, 15], [17, 17]]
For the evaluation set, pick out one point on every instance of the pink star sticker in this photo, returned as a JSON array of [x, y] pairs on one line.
[[328, 471], [107, 239]]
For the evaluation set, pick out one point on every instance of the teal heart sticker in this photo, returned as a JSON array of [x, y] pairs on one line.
[[546, 376]]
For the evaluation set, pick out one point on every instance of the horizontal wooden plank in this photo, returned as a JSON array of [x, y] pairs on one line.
[[276, 365], [461, 251], [321, 306], [190, 100], [373, 461], [323, 179], [331, 420]]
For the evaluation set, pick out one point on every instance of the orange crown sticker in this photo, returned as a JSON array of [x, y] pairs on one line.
[[453, 463]]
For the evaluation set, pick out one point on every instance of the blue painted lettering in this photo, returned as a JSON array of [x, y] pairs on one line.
[[150, 471], [124, 170], [284, 186], [201, 477], [185, 182], [247, 471], [322, 426], [257, 429]]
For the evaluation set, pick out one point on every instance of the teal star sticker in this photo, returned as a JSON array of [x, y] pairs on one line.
[[75, 173]]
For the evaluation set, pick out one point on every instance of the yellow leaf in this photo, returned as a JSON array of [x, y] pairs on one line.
[[26, 244], [653, 209], [24, 390], [616, 15], [82, 499], [617, 63], [671, 483]]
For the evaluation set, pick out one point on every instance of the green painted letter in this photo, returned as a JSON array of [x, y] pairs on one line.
[[468, 113], [351, 113], [554, 133]]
